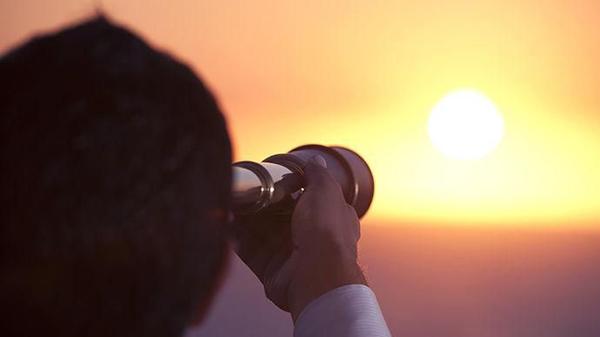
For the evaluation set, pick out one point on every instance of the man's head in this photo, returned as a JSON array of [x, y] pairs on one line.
[[115, 180]]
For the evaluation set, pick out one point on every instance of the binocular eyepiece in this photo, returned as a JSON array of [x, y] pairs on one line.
[[276, 183]]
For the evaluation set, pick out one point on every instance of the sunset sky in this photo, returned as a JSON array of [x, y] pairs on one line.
[[366, 75]]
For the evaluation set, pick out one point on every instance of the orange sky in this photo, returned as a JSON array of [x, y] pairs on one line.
[[365, 74]]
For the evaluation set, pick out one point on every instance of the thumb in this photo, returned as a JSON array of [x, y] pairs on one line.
[[316, 173]]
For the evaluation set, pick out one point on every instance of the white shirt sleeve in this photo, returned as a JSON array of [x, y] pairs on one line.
[[347, 311]]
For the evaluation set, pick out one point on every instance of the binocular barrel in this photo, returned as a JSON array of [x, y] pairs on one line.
[[277, 181]]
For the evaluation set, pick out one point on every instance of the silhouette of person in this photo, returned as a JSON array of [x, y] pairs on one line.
[[115, 193]]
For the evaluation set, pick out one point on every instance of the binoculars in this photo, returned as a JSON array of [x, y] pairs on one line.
[[275, 184]]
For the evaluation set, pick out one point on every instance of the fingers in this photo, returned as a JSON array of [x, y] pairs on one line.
[[322, 212], [319, 181], [315, 171]]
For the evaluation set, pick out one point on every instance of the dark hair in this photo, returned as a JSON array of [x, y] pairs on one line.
[[115, 183]]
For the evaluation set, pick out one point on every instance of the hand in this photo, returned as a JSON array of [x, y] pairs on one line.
[[315, 251]]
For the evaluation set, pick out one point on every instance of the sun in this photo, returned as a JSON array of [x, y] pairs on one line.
[[465, 125]]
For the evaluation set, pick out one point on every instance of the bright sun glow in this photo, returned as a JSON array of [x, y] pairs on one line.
[[465, 125]]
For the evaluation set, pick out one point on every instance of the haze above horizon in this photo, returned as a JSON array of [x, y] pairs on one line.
[[366, 75]]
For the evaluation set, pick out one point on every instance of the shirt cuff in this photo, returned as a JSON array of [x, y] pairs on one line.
[[348, 311]]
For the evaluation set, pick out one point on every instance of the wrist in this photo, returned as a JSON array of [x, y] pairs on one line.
[[320, 271]]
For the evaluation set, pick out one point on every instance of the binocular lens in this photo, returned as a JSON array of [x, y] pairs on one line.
[[276, 182]]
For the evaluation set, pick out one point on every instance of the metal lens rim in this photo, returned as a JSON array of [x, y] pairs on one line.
[[267, 188]]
